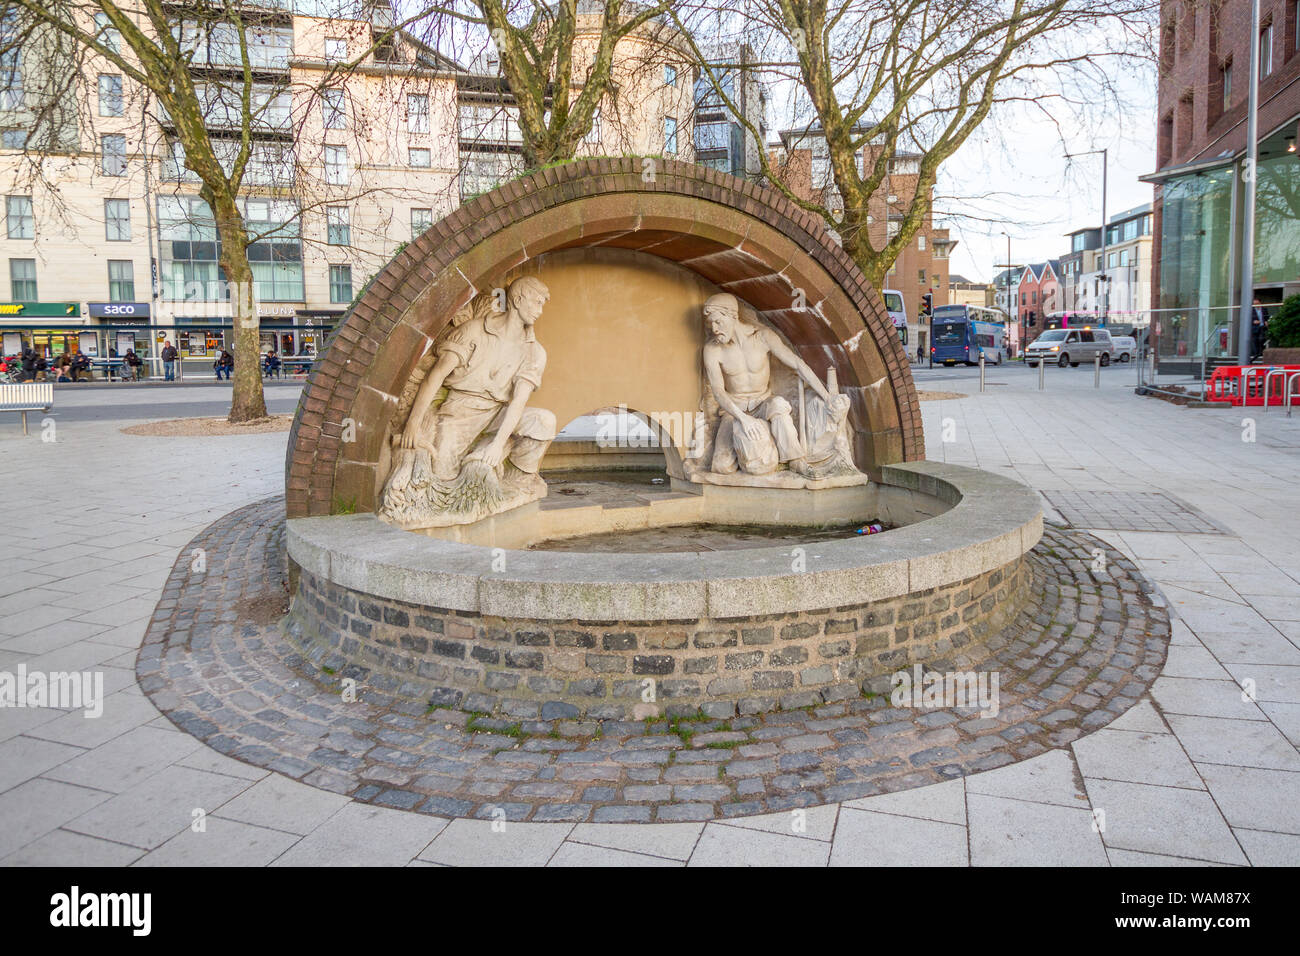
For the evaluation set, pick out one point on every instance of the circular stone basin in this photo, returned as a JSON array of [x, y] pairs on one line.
[[694, 537], [482, 624]]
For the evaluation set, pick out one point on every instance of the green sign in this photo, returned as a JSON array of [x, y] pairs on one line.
[[39, 309]]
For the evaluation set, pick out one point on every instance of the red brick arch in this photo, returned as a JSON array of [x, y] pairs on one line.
[[747, 239]]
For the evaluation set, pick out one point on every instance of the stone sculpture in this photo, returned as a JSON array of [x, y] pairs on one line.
[[746, 433], [471, 446]]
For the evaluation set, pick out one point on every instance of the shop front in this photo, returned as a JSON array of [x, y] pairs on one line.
[[45, 327], [297, 336]]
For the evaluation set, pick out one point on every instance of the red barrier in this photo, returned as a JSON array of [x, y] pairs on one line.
[[1230, 382]]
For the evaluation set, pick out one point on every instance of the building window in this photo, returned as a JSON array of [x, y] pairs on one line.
[[1033, 297], [190, 249], [336, 165], [276, 257], [340, 284], [334, 109], [421, 220], [1266, 51], [920, 243], [121, 280], [113, 154], [670, 135], [11, 81], [593, 134], [22, 280], [338, 225], [421, 159], [117, 220], [670, 76], [106, 34], [417, 112], [1225, 81], [19, 221], [336, 50], [1294, 27], [110, 95]]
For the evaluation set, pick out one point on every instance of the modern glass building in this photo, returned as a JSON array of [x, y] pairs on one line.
[[1199, 273]]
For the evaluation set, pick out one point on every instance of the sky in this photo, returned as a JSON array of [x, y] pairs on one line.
[[1012, 176]]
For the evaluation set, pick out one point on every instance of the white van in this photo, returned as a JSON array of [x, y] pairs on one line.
[[1070, 347]]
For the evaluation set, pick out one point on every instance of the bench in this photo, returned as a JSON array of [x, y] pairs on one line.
[[27, 397]]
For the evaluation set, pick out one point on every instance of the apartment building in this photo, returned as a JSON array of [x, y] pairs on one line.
[[963, 291], [1116, 279], [1197, 273], [1039, 294], [802, 159], [722, 135], [108, 244]]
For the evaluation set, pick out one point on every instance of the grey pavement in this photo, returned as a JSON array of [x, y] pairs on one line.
[[1204, 771]]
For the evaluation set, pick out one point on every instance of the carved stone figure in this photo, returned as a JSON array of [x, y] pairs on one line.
[[747, 433], [471, 446]]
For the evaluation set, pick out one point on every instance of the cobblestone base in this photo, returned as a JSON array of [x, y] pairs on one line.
[[215, 660], [527, 669]]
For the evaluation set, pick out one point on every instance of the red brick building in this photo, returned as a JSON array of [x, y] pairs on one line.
[[1204, 70], [802, 161], [1039, 294]]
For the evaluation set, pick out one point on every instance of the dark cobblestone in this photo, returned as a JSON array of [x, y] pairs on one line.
[[1079, 654]]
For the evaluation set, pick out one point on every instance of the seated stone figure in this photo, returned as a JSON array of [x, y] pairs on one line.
[[478, 451], [755, 433]]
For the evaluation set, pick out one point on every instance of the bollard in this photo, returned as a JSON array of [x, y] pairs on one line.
[[1096, 370], [1042, 370], [981, 370]]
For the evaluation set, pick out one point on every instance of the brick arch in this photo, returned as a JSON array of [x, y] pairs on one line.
[[747, 239]]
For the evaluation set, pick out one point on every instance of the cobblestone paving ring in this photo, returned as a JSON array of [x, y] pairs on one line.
[[216, 661]]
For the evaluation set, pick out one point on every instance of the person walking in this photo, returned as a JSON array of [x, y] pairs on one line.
[[169, 354]]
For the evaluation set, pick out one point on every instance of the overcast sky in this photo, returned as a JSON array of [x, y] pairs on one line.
[[1011, 176]]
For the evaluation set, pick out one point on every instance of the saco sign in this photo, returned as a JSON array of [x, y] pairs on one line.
[[119, 310]]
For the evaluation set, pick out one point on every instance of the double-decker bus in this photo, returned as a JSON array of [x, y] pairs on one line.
[[961, 333]]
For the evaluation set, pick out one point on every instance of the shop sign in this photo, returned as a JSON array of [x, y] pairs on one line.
[[41, 309], [119, 310]]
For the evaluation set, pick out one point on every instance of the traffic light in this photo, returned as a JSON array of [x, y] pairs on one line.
[[1033, 318], [928, 308]]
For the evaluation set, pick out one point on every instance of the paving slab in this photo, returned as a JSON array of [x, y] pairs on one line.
[[735, 846], [496, 843], [1005, 832], [1166, 820], [866, 838]]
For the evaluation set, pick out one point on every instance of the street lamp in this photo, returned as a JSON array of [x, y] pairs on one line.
[[1105, 279]]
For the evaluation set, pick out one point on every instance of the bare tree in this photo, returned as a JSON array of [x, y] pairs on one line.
[[879, 79], [218, 101], [557, 62]]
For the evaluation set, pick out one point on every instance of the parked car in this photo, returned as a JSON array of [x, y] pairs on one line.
[[1125, 348], [1070, 347]]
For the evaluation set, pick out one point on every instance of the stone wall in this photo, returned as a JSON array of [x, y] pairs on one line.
[[526, 668]]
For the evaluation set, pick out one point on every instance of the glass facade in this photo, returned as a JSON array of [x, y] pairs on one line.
[[1277, 220], [1198, 249], [1195, 254], [191, 250]]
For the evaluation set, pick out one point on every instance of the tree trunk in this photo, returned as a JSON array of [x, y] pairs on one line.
[[247, 400]]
